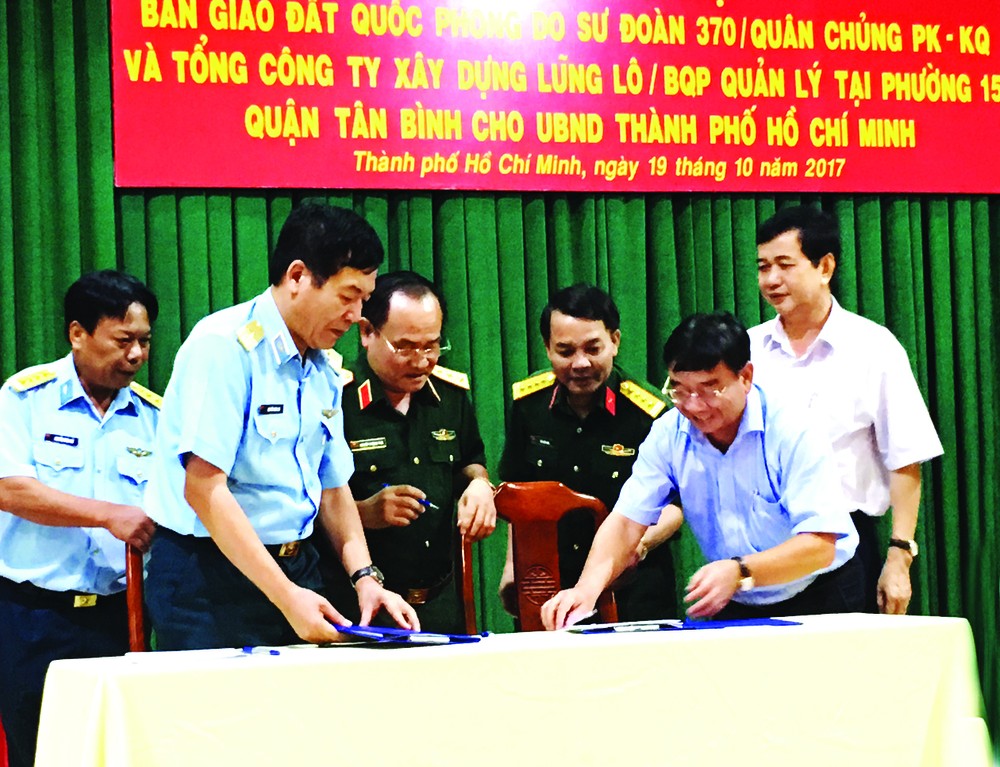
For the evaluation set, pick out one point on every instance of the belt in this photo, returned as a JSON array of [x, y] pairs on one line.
[[423, 594], [29, 595], [284, 550], [200, 543]]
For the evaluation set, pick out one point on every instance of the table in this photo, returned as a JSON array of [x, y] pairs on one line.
[[838, 690]]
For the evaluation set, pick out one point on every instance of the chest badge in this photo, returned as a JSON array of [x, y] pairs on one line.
[[328, 412], [362, 445], [139, 452], [443, 435], [618, 450]]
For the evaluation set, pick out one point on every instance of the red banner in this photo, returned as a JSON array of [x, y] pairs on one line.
[[699, 95]]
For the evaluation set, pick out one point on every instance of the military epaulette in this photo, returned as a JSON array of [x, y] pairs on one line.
[[336, 360], [533, 383], [148, 395], [461, 380], [30, 378], [649, 403], [250, 335]]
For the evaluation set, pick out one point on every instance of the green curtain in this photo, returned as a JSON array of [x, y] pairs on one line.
[[926, 266]]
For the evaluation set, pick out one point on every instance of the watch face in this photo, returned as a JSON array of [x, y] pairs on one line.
[[746, 583]]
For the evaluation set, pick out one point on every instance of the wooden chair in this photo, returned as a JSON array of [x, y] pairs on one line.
[[467, 594], [133, 596], [533, 510]]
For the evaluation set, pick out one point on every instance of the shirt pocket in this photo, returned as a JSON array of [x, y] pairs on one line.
[[274, 426], [58, 462], [135, 464], [768, 524], [444, 451], [541, 457]]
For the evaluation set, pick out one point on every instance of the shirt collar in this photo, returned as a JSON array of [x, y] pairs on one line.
[[71, 389], [828, 335], [276, 334], [607, 394], [751, 421], [426, 394]]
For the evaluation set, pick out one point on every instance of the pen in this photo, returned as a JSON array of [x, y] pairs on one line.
[[422, 501], [249, 650]]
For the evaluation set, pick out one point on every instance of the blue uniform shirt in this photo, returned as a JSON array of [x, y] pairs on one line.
[[53, 433], [776, 480], [241, 399]]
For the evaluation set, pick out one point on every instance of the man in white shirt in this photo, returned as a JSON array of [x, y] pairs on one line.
[[855, 376]]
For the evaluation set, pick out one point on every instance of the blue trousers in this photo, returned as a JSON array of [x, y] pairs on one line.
[[36, 628], [198, 599]]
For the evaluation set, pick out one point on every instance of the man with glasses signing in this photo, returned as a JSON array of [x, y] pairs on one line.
[[417, 451], [756, 484]]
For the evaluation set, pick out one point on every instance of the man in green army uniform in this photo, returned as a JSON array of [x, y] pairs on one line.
[[581, 423], [417, 450]]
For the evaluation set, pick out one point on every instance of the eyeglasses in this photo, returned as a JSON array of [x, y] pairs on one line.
[[680, 396], [414, 353]]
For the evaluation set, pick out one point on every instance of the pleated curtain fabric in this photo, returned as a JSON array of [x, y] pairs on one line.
[[927, 266]]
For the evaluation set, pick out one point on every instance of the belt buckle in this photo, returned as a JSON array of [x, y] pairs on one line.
[[289, 549], [85, 600], [417, 596]]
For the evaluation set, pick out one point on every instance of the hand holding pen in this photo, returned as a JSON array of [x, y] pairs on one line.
[[394, 506]]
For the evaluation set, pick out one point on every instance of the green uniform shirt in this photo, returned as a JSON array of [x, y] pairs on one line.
[[427, 447], [546, 440]]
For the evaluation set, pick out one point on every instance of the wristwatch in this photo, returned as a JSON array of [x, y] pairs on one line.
[[906, 545], [371, 570], [746, 577]]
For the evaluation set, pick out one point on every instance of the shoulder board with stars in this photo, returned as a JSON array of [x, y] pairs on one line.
[[642, 398], [336, 360], [31, 378], [147, 395], [250, 335], [461, 380], [534, 383]]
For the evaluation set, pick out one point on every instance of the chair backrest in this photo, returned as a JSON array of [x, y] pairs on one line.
[[467, 594], [533, 510], [133, 596]]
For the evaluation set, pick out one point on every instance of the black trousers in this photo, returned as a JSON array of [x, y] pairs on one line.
[[838, 591], [870, 555], [198, 599], [37, 627]]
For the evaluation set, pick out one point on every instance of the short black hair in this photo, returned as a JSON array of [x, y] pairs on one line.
[[702, 341], [326, 239], [819, 231], [584, 302], [107, 293], [376, 308]]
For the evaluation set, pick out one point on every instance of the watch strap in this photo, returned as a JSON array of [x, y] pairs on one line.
[[368, 570]]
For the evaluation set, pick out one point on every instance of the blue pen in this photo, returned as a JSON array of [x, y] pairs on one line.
[[421, 501]]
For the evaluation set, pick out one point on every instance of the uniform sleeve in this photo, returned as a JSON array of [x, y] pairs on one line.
[[651, 485], [15, 448], [208, 394], [904, 431]]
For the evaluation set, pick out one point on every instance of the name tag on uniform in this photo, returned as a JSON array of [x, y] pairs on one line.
[[361, 445], [270, 409], [618, 450], [443, 435], [62, 439], [536, 440]]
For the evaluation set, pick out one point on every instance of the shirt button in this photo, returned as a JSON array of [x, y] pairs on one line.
[[576, 547], [274, 434], [373, 467], [614, 475], [539, 461], [576, 468], [579, 430], [427, 544], [416, 459]]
